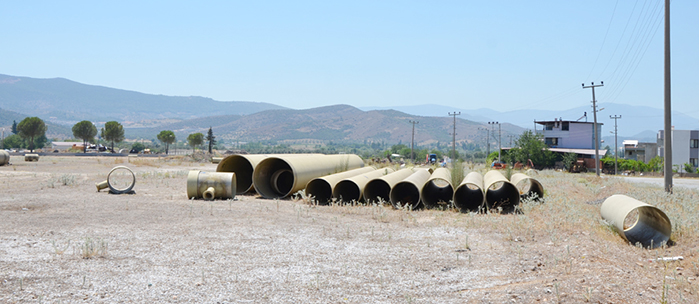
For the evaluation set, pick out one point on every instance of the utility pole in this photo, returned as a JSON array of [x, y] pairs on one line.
[[453, 141], [667, 143], [487, 141], [511, 137], [412, 141], [499, 137], [616, 149], [594, 127]]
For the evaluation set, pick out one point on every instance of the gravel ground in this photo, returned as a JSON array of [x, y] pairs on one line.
[[62, 241]]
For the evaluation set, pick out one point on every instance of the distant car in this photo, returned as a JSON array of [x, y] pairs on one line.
[[133, 151], [55, 151]]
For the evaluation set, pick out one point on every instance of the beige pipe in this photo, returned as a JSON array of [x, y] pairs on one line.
[[102, 185], [379, 189], [216, 160], [437, 189], [210, 185], [31, 157], [321, 188], [648, 226], [4, 157], [243, 165], [469, 196], [114, 184], [281, 176], [407, 192], [499, 192], [527, 186], [352, 189]]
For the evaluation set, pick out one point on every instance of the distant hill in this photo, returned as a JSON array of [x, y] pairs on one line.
[[340, 123], [58, 131], [65, 101], [635, 119]]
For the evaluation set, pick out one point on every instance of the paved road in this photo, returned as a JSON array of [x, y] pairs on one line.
[[692, 183]]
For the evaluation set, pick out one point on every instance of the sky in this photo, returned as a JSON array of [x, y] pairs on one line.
[[502, 55]]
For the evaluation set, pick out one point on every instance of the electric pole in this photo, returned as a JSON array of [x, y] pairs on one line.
[[487, 141], [511, 137], [453, 141], [412, 141], [594, 127], [667, 143], [499, 137], [616, 149]]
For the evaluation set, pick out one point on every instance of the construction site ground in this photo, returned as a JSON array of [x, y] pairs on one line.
[[61, 241]]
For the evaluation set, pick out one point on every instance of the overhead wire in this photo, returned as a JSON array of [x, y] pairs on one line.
[[609, 25]]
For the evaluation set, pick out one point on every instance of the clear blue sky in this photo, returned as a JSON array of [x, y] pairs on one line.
[[300, 54]]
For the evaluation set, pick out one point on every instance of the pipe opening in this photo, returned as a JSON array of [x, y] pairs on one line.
[[347, 191], [264, 177], [529, 187], [469, 197], [243, 170], [377, 190], [437, 192], [283, 181], [502, 195], [209, 193], [648, 226], [320, 190], [405, 194]]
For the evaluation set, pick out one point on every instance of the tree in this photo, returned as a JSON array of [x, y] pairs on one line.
[[531, 146], [31, 128], [13, 141], [211, 139], [86, 131], [113, 131], [14, 127], [168, 138], [569, 159], [195, 139]]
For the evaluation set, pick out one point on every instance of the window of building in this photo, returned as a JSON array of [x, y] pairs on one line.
[[694, 143], [566, 126], [549, 126], [551, 141], [694, 162]]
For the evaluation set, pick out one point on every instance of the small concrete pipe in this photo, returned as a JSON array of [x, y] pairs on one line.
[[437, 189], [120, 180], [636, 221], [4, 157], [216, 160], [407, 192], [321, 188], [281, 176], [527, 186], [499, 192], [469, 196], [31, 157], [243, 165], [211, 185], [352, 189], [379, 189]]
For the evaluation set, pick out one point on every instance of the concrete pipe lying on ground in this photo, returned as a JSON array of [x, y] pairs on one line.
[[499, 192], [281, 176], [437, 189], [31, 157], [216, 160], [211, 185], [469, 196], [244, 165], [527, 186], [352, 189], [120, 180], [407, 192], [4, 157], [321, 188], [379, 189], [636, 221]]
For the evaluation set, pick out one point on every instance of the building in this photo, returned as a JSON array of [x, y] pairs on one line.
[[640, 151], [685, 147], [571, 136], [66, 145]]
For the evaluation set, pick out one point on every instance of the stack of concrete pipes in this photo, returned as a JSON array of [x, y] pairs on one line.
[[494, 192]]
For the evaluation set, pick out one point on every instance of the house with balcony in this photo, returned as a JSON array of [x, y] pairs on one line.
[[572, 136], [640, 151], [685, 147]]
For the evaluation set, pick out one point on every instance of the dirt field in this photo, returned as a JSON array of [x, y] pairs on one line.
[[61, 241]]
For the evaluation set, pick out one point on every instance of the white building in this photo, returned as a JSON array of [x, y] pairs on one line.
[[685, 147], [570, 136]]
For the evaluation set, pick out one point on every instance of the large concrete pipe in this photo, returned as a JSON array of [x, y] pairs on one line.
[[351, 189], [636, 221], [499, 192], [407, 192], [244, 165], [321, 188], [31, 157], [469, 196], [210, 185], [282, 176], [4, 157], [527, 186], [379, 189], [437, 189]]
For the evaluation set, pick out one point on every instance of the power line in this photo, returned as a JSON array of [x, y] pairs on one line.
[[453, 141]]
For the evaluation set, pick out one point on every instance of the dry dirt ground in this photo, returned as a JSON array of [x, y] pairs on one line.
[[61, 241]]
